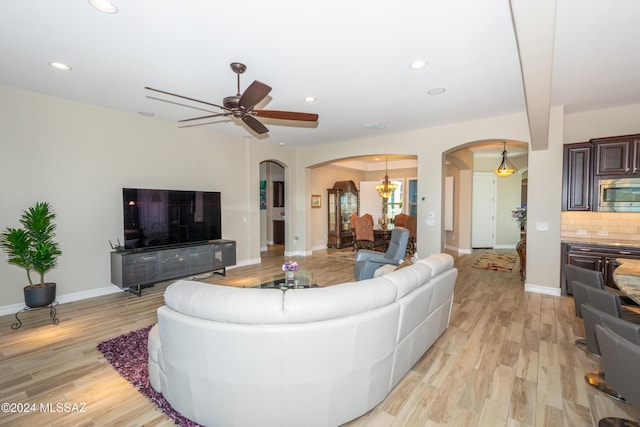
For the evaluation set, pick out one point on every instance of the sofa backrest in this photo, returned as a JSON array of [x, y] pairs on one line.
[[272, 306], [225, 303], [333, 302]]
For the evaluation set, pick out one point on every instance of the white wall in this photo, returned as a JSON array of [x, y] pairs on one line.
[[79, 157]]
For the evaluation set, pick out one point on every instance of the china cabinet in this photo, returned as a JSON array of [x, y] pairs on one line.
[[342, 202]]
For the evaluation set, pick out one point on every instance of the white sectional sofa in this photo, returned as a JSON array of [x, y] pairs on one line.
[[225, 356]]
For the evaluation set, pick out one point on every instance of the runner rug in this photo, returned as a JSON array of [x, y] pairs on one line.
[[496, 261], [129, 356]]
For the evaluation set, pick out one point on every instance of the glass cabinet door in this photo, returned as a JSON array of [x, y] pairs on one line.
[[332, 213], [342, 203]]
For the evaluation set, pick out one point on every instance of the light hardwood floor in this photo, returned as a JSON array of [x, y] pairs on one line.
[[507, 359]]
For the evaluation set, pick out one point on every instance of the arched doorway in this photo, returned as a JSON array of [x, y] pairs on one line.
[[477, 160], [272, 208]]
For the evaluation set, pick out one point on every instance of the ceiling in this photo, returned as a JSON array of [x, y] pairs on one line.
[[352, 56]]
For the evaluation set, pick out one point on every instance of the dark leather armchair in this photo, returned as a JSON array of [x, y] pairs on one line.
[[367, 261]]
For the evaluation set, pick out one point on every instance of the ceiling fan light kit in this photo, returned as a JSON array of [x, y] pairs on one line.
[[505, 168], [241, 105]]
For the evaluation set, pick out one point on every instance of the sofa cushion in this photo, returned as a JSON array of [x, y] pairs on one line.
[[307, 305], [438, 263], [225, 303], [409, 278]]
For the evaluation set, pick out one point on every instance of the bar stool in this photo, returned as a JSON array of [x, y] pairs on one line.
[[602, 302], [620, 359]]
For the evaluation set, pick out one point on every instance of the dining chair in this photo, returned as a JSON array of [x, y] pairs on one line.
[[364, 236]]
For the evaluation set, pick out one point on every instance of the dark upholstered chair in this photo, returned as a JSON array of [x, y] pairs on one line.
[[620, 359], [364, 237], [367, 262], [607, 303], [591, 278], [592, 317], [400, 220]]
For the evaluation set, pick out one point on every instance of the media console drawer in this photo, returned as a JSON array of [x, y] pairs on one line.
[[136, 268]]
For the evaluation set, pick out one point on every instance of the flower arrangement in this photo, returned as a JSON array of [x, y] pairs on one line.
[[520, 215], [290, 266]]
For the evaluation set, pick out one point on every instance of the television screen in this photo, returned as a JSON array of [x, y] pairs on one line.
[[168, 217]]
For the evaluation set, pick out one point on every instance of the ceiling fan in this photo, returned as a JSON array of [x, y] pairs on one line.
[[241, 105]]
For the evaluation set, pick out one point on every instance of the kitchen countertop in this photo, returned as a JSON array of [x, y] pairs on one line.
[[600, 240], [627, 277]]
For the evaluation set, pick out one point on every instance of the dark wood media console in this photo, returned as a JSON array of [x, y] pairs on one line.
[[136, 269]]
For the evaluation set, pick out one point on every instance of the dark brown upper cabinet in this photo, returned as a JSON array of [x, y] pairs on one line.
[[617, 156], [577, 177]]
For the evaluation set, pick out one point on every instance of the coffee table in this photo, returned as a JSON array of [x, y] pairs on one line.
[[302, 279]]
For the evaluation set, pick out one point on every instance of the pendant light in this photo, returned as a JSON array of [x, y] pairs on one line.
[[505, 168], [386, 188]]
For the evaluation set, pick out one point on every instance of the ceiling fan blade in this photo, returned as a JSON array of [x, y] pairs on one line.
[[205, 123], [254, 94], [255, 125], [185, 97], [178, 103], [205, 117], [286, 115]]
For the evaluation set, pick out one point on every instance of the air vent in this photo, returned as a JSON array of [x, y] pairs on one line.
[[374, 126]]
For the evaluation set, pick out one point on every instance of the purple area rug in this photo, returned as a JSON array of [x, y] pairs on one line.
[[129, 356]]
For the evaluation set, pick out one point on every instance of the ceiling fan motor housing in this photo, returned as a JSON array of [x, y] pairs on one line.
[[231, 102]]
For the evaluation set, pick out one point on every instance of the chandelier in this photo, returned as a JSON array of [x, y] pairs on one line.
[[386, 188], [505, 168]]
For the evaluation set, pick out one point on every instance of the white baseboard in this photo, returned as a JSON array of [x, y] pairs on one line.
[[538, 289], [75, 296], [504, 247]]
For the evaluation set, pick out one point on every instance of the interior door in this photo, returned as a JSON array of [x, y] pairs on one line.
[[483, 210]]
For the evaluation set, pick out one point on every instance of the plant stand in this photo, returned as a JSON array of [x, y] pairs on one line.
[[52, 314]]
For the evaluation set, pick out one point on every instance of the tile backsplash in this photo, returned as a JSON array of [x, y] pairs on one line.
[[606, 225]]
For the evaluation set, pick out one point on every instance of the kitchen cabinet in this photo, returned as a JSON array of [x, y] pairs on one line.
[[617, 156], [599, 257], [577, 177], [342, 202]]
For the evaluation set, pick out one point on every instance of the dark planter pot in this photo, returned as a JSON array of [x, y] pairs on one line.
[[39, 296]]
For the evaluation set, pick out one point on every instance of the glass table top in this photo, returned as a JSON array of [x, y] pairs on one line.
[[301, 279]]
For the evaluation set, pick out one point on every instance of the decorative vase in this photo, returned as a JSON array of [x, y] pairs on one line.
[[291, 274]]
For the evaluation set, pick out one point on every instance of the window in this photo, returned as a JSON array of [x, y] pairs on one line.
[[412, 198], [393, 205]]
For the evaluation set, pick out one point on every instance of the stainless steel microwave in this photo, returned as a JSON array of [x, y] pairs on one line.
[[619, 195]]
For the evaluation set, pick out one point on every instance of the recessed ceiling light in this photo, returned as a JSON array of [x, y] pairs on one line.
[[436, 91], [374, 126], [417, 65], [60, 66], [282, 144], [309, 99], [104, 6]]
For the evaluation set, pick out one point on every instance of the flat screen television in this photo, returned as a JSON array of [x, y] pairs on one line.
[[154, 218]]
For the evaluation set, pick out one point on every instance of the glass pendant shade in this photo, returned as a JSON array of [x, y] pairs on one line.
[[505, 168]]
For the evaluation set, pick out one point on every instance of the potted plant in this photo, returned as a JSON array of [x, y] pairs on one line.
[[32, 247]]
